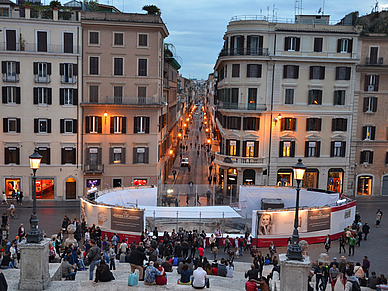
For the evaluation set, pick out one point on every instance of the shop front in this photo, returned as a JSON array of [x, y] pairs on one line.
[[335, 180], [140, 182], [44, 188], [310, 178], [249, 177], [284, 177], [232, 182], [12, 186], [93, 185], [364, 185]]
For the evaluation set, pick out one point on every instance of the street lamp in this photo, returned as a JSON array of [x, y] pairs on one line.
[[34, 235], [294, 251]]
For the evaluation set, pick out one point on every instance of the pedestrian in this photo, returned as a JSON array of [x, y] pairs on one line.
[[4, 198], [352, 244], [327, 243], [174, 173], [187, 199], [189, 168], [342, 244], [318, 275], [366, 266], [379, 214], [210, 180], [334, 274], [359, 238], [365, 229], [21, 198], [218, 235], [94, 257]]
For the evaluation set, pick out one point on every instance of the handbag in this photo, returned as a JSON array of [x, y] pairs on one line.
[[87, 261], [133, 278]]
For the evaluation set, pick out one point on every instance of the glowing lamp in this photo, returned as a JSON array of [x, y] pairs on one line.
[[35, 159], [299, 170]]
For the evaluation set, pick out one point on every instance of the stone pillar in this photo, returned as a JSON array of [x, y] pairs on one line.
[[294, 274], [34, 265]]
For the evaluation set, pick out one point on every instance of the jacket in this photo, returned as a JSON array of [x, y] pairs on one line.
[[94, 254], [103, 274], [137, 257]]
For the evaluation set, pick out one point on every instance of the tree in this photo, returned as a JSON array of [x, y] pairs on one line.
[[152, 9], [91, 5], [168, 47], [55, 3]]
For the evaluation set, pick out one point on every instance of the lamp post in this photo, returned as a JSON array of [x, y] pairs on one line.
[[34, 235], [294, 251]]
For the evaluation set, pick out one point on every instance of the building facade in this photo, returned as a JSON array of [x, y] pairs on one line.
[[285, 91], [40, 55], [369, 159], [122, 99]]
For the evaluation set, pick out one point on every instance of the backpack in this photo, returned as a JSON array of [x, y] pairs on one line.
[[356, 286]]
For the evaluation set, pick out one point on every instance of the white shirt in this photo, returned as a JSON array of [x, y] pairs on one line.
[[229, 271], [123, 247], [11, 207], [199, 277], [87, 235]]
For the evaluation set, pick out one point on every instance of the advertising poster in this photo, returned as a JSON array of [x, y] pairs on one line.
[[280, 223], [127, 220], [95, 214], [318, 219]]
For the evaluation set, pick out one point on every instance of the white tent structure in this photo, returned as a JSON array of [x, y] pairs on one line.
[[129, 197], [250, 198], [202, 212]]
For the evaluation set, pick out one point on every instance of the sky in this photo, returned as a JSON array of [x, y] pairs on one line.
[[197, 27]]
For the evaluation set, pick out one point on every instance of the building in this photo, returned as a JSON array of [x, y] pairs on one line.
[[285, 91], [369, 158], [122, 99], [40, 58]]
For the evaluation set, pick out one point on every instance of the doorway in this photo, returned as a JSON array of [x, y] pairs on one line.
[[71, 189]]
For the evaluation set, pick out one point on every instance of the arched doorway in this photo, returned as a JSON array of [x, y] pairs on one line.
[[71, 188], [364, 185], [249, 177]]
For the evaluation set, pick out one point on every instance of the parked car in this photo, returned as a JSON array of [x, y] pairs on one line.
[[185, 162]]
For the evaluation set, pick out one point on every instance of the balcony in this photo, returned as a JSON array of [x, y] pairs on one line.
[[374, 61], [11, 78], [246, 51], [42, 79], [129, 100], [234, 161], [68, 80], [45, 48], [92, 169], [241, 106]]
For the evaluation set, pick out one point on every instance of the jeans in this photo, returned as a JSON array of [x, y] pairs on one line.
[[91, 268], [71, 276], [81, 264], [112, 264]]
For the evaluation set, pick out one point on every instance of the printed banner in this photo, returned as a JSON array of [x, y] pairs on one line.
[[127, 219], [318, 219]]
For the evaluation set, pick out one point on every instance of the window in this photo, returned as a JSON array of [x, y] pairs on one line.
[[140, 155], [345, 45], [368, 132], [373, 56], [68, 73], [342, 73], [143, 40], [289, 96], [339, 97], [233, 122], [42, 96], [41, 41], [255, 45], [235, 70], [318, 44], [118, 94], [10, 39], [366, 157], [288, 123], [12, 155], [141, 124], [68, 155], [118, 124], [93, 94], [337, 149], [251, 149], [234, 147], [292, 44], [45, 153], [142, 67], [118, 38], [253, 71], [371, 83], [117, 155], [142, 94], [370, 104], [68, 43], [10, 71], [42, 72], [339, 124], [68, 126], [287, 149], [11, 95], [317, 72], [117, 183], [93, 159], [252, 98], [42, 125], [290, 72], [251, 123], [11, 125], [93, 65], [310, 178], [93, 124], [118, 66], [313, 124], [315, 97], [68, 96], [94, 37], [312, 149]]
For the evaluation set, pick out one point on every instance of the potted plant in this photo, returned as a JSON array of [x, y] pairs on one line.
[[22, 43]]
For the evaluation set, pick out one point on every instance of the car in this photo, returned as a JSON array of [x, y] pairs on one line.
[[185, 162]]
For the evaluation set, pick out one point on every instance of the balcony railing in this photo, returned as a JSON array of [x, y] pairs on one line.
[[124, 100], [239, 160], [42, 79], [11, 78], [33, 47], [241, 106], [374, 61], [246, 51], [89, 168], [68, 80]]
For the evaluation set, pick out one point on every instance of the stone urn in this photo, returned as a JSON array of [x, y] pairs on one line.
[[71, 228], [324, 258], [304, 244]]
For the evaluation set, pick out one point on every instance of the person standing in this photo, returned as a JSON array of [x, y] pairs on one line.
[[334, 274], [4, 198], [218, 234], [136, 261], [352, 244], [366, 266], [94, 257], [327, 243], [342, 244], [365, 229], [379, 214], [319, 274]]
